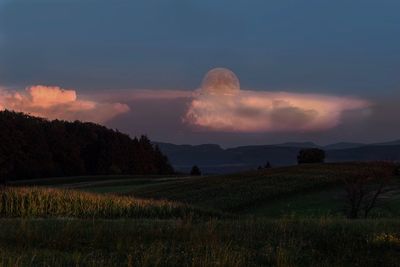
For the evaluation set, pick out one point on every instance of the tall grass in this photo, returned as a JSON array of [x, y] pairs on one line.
[[284, 242], [44, 202]]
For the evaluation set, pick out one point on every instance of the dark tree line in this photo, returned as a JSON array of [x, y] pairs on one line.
[[32, 147]]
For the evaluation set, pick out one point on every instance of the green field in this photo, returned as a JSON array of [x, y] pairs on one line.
[[323, 242], [290, 216], [306, 190]]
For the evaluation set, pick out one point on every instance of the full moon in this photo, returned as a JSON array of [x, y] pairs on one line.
[[220, 81]]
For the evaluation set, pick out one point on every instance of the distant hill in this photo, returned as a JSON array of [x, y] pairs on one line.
[[212, 158], [368, 152], [33, 147], [391, 143], [343, 145], [299, 144]]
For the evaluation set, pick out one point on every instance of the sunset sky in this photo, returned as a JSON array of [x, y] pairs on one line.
[[315, 70]]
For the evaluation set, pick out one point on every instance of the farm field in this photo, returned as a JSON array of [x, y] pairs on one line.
[[307, 190], [285, 216], [284, 242]]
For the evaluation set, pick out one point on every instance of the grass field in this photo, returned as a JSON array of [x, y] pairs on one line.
[[291, 216], [307, 190], [284, 242], [33, 202]]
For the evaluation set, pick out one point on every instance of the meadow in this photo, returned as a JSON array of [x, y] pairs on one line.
[[289, 216], [283, 242], [306, 190]]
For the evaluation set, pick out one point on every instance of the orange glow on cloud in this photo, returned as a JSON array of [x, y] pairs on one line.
[[253, 111], [219, 105], [57, 103]]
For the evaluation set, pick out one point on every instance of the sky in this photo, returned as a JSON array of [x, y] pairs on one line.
[[214, 71]]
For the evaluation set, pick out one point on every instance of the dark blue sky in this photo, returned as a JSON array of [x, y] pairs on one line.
[[336, 47], [323, 46]]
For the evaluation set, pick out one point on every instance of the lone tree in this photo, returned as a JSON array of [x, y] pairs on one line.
[[366, 187], [266, 166], [195, 171], [311, 155]]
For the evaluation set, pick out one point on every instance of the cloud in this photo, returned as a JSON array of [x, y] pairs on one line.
[[218, 106], [56, 103], [253, 111]]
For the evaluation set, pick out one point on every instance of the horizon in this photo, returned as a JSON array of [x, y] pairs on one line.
[[287, 143]]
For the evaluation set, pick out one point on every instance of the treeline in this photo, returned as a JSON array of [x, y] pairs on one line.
[[33, 147]]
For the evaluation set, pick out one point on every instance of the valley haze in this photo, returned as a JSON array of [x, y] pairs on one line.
[[212, 158]]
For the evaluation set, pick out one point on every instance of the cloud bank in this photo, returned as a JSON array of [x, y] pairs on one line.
[[252, 111], [53, 102], [218, 106]]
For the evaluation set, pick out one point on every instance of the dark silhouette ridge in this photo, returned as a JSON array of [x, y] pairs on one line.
[[33, 147]]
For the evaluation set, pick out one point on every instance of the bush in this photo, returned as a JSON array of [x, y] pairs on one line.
[[311, 155], [195, 171]]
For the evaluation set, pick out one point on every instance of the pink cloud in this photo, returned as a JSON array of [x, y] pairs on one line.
[[220, 105], [252, 111], [56, 103]]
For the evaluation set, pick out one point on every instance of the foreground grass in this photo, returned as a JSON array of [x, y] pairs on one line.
[[43, 202], [284, 242]]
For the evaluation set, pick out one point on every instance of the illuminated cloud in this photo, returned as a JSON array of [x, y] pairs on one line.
[[57, 103], [220, 105]]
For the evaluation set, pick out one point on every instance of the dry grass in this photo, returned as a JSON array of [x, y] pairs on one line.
[[44, 202]]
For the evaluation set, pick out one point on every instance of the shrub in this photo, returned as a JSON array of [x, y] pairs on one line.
[[366, 186], [311, 155], [195, 171]]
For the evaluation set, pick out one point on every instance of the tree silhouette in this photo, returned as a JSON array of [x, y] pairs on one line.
[[195, 171], [33, 147], [365, 187], [311, 155]]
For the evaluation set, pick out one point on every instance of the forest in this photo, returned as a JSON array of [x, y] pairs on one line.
[[32, 147]]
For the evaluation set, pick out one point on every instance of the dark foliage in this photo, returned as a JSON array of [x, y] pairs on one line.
[[195, 171], [397, 170], [32, 147], [311, 155], [366, 186], [266, 166]]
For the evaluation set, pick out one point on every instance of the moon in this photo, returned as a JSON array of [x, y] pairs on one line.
[[220, 81]]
